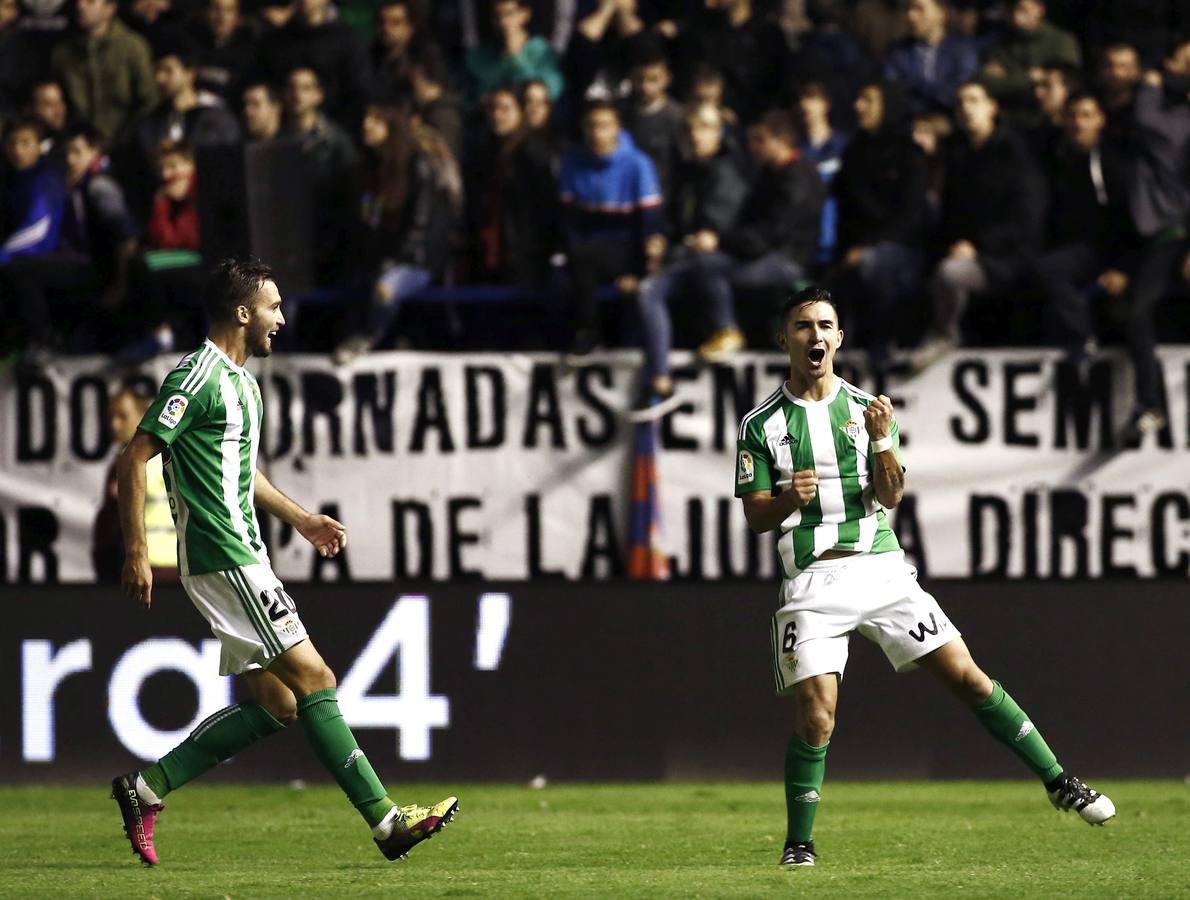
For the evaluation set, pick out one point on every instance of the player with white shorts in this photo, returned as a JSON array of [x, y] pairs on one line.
[[819, 462]]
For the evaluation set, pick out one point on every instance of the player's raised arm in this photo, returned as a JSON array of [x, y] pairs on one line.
[[888, 476], [327, 535], [137, 576]]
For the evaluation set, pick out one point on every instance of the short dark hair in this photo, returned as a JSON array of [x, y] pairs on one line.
[[779, 124], [806, 296], [233, 282], [1080, 95], [600, 104], [87, 133], [814, 89], [269, 89], [24, 123]]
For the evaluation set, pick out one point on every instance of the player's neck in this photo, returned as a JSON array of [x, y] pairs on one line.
[[805, 387], [230, 342]]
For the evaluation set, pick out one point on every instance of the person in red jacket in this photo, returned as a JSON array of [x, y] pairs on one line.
[[173, 223]]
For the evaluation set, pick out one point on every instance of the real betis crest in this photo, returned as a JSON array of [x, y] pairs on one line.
[[851, 429]]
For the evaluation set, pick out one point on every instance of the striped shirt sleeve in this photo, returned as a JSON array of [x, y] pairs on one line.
[[178, 406]]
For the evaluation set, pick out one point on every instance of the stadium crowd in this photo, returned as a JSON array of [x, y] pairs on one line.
[[971, 172]]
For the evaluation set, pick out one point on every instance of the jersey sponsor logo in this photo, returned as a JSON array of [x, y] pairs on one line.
[[747, 470], [810, 796], [850, 428], [787, 440], [1026, 730], [172, 412]]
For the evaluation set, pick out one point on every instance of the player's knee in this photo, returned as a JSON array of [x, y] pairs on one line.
[[971, 685], [326, 678], [818, 724]]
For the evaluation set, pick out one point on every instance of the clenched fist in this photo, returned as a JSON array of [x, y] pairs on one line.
[[805, 485], [878, 418]]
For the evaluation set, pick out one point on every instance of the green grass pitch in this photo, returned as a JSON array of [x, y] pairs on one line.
[[953, 839]]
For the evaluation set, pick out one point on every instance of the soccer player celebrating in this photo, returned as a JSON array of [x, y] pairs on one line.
[[819, 461], [207, 421]]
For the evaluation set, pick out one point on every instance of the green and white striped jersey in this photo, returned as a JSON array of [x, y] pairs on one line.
[[784, 435], [209, 414]]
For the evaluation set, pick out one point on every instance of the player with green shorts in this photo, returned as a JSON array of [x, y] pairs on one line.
[[819, 461], [207, 422]]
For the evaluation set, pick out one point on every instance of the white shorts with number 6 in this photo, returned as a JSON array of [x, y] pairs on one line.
[[876, 594], [249, 612]]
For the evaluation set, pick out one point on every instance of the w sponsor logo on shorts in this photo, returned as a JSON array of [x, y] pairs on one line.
[[352, 757], [932, 629]]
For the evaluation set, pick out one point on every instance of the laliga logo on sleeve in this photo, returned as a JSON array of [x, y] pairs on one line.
[[747, 469], [175, 408]]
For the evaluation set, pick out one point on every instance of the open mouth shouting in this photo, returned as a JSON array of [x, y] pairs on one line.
[[816, 356]]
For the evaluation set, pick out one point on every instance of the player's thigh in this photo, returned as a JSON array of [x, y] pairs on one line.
[[953, 665], [271, 692], [810, 632], [906, 621]]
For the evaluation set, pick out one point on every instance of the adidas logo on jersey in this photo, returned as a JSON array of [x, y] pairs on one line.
[[787, 440]]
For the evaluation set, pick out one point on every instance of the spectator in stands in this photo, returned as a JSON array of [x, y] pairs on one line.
[[653, 118], [185, 113], [87, 265], [125, 410], [106, 69], [32, 197], [170, 277], [1145, 25], [520, 57], [930, 133], [708, 192], [332, 157], [157, 21], [772, 244], [1120, 74], [932, 62], [512, 198], [433, 101], [19, 59], [1014, 64], [707, 86], [822, 145], [47, 104], [612, 218], [748, 48], [1158, 201], [538, 108], [224, 48], [398, 29], [411, 202], [173, 224], [1046, 126], [831, 57], [262, 112], [1087, 221], [313, 41], [602, 47], [993, 204], [883, 218]]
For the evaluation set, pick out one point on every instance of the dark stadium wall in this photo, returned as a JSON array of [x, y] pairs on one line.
[[598, 681]]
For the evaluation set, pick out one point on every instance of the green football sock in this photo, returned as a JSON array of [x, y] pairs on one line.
[[218, 737], [339, 752], [805, 767], [1009, 725]]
